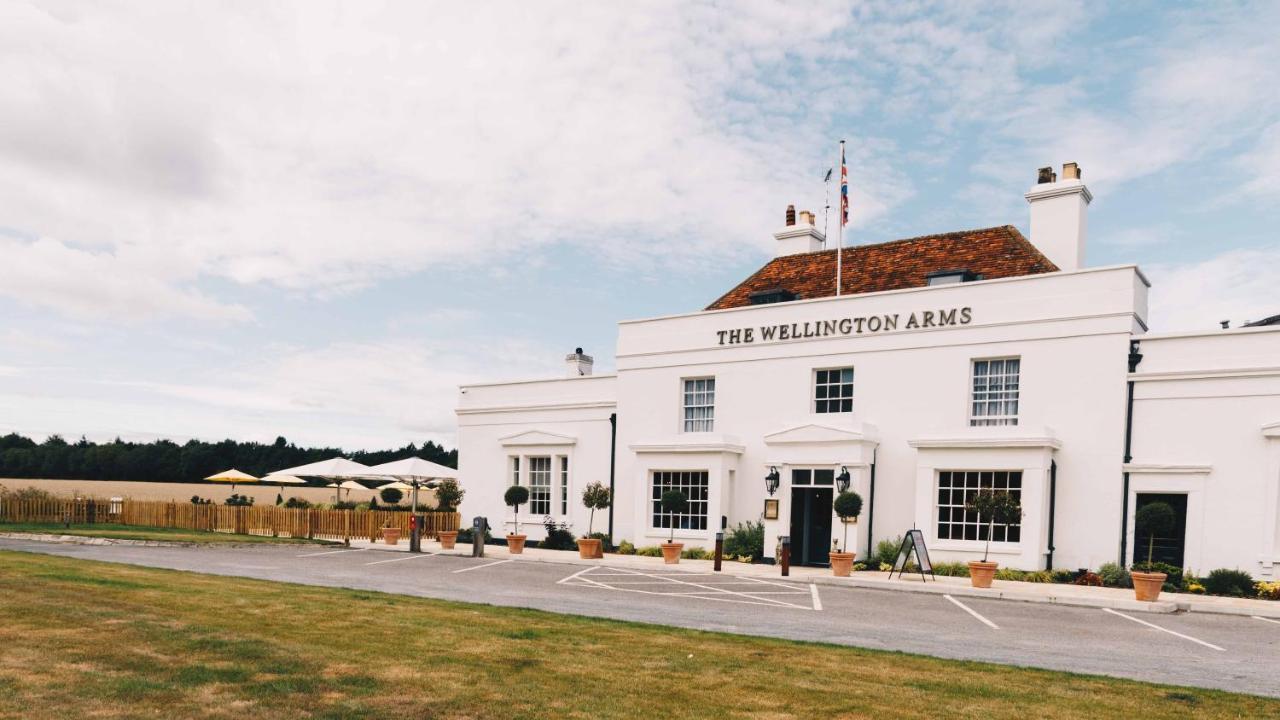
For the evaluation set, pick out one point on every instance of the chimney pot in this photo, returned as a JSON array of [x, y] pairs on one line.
[[1072, 171], [1044, 175], [791, 215]]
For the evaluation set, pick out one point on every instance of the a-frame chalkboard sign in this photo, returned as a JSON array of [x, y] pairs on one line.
[[913, 541]]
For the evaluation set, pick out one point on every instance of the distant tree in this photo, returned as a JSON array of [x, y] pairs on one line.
[[448, 495]]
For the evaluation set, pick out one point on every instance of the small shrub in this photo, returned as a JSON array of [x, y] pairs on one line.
[[1232, 583], [885, 567], [1115, 576], [1064, 576], [695, 553], [296, 502], [745, 559], [29, 494], [746, 538], [649, 551], [466, 535], [605, 546], [238, 500], [391, 496], [595, 497], [1090, 579], [197, 500], [558, 536], [887, 551], [1267, 590], [448, 495], [626, 548], [951, 569]]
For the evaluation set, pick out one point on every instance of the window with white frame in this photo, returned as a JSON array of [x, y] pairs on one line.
[[515, 469], [994, 398], [699, 404], [564, 485], [956, 488], [694, 484], [833, 390], [540, 485]]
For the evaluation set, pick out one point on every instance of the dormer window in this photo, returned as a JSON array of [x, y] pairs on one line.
[[951, 277], [774, 295]]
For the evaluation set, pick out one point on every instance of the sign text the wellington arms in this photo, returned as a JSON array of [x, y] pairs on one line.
[[846, 326]]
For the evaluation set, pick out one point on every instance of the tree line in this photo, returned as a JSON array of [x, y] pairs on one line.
[[167, 461]]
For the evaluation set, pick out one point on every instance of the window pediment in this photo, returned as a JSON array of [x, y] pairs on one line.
[[819, 434], [537, 437]]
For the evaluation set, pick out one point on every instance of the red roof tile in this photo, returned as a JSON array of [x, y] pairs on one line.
[[991, 253]]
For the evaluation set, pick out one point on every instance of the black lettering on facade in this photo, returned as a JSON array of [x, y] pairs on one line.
[[928, 319], [748, 335], [947, 317], [721, 333], [966, 315], [891, 322], [912, 322], [873, 323], [828, 327], [784, 332], [846, 326], [858, 321], [768, 331]]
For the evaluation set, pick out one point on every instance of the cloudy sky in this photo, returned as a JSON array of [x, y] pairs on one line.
[[317, 219]]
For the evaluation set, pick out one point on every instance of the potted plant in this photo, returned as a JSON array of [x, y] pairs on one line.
[[516, 496], [1153, 519], [448, 497], [595, 497], [848, 506], [995, 506], [673, 501], [390, 534]]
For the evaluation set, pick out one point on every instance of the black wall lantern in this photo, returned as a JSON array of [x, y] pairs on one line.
[[842, 480], [772, 480]]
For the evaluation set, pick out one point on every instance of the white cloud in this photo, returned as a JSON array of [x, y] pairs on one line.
[[1198, 295], [126, 285]]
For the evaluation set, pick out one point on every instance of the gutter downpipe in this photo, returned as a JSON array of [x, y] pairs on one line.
[[613, 455], [871, 502], [1053, 498], [1135, 357]]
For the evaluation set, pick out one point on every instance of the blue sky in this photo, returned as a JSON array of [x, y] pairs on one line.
[[316, 220]]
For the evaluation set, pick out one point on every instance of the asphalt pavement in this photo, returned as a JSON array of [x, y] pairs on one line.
[[1236, 653]]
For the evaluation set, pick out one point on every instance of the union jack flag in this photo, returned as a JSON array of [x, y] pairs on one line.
[[844, 189]]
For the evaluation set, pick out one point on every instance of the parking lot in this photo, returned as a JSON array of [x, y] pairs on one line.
[[1238, 653]]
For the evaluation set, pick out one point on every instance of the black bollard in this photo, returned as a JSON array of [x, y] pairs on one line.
[[785, 558], [719, 549]]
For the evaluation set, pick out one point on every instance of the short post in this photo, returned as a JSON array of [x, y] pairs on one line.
[[415, 536], [719, 550], [479, 526], [785, 555]]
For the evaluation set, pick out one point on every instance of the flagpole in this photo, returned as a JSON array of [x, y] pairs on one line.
[[840, 243]]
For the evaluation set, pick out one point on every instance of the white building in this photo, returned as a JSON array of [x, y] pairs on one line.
[[948, 361]]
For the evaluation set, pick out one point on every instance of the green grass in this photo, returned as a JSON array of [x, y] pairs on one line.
[[131, 532], [88, 639]]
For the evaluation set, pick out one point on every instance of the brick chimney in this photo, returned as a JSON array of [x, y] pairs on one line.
[[800, 235], [577, 364], [1059, 215]]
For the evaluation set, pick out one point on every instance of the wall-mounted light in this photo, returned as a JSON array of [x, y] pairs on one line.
[[772, 480], [842, 480]]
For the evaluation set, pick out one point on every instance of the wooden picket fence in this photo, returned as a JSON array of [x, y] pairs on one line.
[[266, 520]]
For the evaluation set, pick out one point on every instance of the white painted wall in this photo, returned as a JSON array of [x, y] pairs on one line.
[[1203, 405]]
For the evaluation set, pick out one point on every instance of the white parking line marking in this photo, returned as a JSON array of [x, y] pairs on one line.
[[333, 552], [411, 557], [573, 576], [477, 567], [972, 612], [817, 601], [1157, 627], [1255, 617]]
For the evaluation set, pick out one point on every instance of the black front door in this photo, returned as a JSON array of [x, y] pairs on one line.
[[1163, 549], [810, 525]]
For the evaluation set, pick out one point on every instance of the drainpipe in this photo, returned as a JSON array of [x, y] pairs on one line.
[[1053, 498], [613, 455], [1135, 357], [871, 502]]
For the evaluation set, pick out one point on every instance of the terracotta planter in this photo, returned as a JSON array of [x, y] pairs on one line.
[[671, 552], [590, 548], [841, 563], [515, 544], [448, 538], [391, 536], [1146, 586], [981, 573]]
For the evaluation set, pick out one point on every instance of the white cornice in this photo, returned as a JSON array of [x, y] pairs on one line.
[[986, 441], [1167, 469], [542, 406], [1057, 189], [1271, 431], [1271, 371], [715, 444]]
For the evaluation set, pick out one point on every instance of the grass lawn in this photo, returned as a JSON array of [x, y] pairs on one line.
[[84, 639], [131, 532]]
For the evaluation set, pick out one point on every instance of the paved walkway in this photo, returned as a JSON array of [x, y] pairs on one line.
[[1052, 593]]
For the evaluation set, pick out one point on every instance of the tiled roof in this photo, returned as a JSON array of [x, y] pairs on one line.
[[990, 253]]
